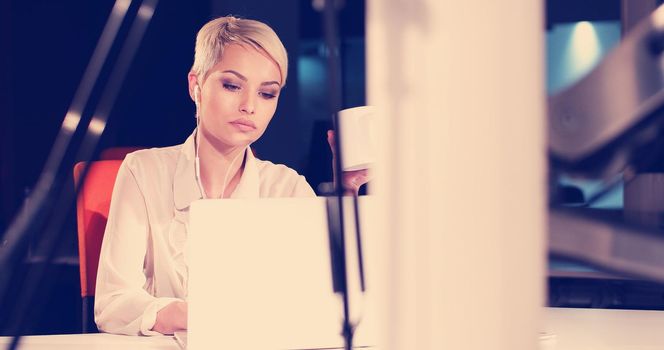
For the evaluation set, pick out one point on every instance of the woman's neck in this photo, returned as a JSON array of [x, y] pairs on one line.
[[220, 168]]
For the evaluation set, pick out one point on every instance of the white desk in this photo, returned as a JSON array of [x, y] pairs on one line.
[[99, 341], [599, 329], [570, 329]]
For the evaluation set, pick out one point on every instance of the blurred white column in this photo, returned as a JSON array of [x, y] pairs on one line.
[[460, 87]]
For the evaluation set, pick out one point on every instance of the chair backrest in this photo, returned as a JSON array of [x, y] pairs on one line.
[[92, 205], [117, 153]]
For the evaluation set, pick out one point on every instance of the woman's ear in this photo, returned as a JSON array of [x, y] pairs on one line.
[[193, 86]]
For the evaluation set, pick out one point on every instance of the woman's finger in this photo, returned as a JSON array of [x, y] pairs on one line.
[[330, 139]]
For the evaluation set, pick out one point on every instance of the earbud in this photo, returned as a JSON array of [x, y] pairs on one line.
[[197, 162], [197, 90], [197, 96]]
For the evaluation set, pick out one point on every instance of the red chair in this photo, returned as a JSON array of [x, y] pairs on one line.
[[92, 205]]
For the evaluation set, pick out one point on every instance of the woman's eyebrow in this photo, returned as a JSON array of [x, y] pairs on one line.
[[271, 83], [243, 78]]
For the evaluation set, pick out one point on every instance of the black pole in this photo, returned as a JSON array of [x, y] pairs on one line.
[[338, 253]]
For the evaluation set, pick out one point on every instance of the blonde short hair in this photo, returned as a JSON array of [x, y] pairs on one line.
[[222, 31]]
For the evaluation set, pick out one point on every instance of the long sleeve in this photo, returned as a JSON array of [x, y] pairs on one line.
[[122, 303]]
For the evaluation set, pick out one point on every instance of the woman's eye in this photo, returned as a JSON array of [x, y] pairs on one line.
[[267, 95], [231, 87]]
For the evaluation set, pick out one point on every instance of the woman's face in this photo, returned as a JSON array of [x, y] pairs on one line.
[[238, 98]]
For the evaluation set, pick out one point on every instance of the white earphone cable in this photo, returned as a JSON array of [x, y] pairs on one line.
[[197, 161]]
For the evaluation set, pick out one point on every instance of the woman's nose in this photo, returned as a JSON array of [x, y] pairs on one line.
[[248, 104]]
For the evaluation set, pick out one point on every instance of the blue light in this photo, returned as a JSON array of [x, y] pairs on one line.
[[574, 49]]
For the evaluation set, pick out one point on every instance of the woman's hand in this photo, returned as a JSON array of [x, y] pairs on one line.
[[173, 317], [351, 180]]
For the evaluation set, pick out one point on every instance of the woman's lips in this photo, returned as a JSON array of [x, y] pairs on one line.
[[244, 124]]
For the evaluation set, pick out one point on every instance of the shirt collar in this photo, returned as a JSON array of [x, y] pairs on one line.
[[185, 186], [249, 184]]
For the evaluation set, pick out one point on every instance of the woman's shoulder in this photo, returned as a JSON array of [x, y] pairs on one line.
[[280, 180], [267, 169], [153, 159]]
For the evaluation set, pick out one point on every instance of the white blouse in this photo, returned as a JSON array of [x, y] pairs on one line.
[[142, 266]]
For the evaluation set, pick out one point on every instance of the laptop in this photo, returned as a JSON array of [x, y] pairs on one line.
[[260, 276]]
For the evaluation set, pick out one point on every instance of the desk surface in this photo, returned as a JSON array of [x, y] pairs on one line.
[[602, 329], [97, 341], [565, 329]]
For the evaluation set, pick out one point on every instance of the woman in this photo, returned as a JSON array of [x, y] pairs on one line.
[[240, 67]]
